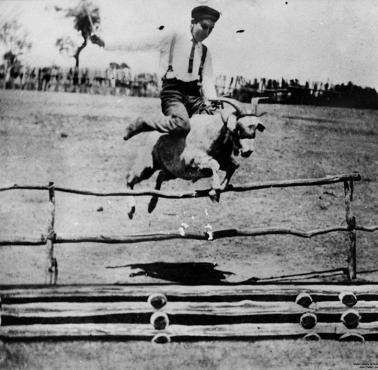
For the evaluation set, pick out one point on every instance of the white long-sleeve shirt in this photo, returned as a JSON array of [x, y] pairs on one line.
[[180, 60]]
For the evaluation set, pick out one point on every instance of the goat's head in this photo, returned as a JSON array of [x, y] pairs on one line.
[[243, 125]]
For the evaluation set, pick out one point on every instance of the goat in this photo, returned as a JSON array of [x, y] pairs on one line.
[[210, 146]]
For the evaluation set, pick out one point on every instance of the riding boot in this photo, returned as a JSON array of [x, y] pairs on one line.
[[138, 126]]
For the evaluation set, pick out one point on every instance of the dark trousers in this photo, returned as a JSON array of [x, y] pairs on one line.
[[179, 101]]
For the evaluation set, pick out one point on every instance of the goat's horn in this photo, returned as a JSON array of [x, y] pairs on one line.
[[261, 114], [255, 103], [235, 104]]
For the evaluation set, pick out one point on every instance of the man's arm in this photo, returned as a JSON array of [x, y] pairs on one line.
[[149, 42], [208, 81]]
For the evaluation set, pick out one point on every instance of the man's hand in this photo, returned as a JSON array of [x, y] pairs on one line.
[[208, 107], [215, 103], [96, 40]]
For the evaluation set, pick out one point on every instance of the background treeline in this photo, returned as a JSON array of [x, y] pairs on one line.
[[293, 92], [118, 79]]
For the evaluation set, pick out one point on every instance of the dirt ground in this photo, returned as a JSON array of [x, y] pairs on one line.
[[76, 141]]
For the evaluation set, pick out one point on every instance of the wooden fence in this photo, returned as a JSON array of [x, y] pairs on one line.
[[51, 238], [165, 312]]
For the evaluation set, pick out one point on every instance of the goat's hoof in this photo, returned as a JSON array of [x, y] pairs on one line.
[[214, 195], [131, 213], [224, 186], [152, 204]]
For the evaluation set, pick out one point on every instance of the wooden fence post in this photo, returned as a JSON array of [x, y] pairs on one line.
[[351, 222], [52, 264]]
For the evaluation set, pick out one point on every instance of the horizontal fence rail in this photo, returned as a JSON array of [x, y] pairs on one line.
[[169, 235], [199, 193]]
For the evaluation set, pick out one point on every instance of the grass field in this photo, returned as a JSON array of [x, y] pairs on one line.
[[76, 141]]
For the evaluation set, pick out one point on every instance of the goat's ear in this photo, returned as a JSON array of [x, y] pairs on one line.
[[260, 127], [231, 122]]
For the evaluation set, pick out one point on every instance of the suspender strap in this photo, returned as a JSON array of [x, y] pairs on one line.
[[170, 60], [191, 58], [203, 58]]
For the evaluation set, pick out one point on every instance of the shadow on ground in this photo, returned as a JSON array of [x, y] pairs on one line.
[[205, 273], [183, 273]]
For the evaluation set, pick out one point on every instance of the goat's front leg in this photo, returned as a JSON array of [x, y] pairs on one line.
[[230, 169], [162, 176], [213, 165]]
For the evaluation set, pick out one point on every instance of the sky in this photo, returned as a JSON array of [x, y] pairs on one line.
[[316, 40]]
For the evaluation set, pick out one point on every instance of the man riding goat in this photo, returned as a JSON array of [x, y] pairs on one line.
[[188, 83]]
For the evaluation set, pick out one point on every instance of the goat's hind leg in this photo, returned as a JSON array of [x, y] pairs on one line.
[[134, 177], [162, 176]]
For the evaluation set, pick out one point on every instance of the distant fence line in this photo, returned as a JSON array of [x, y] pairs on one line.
[[51, 238], [120, 81], [83, 80]]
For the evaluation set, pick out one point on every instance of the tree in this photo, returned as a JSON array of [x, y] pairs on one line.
[[86, 17], [16, 42]]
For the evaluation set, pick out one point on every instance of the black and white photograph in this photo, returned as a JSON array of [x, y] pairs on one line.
[[188, 184]]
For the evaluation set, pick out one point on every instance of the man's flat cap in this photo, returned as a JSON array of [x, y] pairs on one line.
[[205, 12]]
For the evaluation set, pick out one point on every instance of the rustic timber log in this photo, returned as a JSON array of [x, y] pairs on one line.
[[348, 298], [351, 222], [242, 308], [161, 338], [352, 337], [183, 313], [157, 301], [207, 293], [313, 336], [52, 264], [159, 320], [146, 331], [61, 310], [304, 299], [308, 320], [351, 318]]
